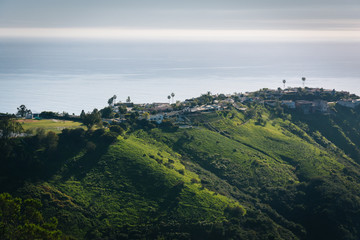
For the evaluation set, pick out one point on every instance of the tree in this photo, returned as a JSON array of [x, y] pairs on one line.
[[82, 114], [66, 114], [22, 110], [284, 82], [146, 115], [128, 100], [114, 98], [22, 220], [91, 119], [9, 127], [172, 96], [117, 129], [169, 98], [110, 101], [122, 109], [51, 140], [106, 112], [250, 113], [303, 79], [49, 114]]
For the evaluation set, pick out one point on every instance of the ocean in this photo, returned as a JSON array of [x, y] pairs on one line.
[[48, 75]]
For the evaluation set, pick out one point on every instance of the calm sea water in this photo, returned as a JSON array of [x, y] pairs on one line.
[[72, 75]]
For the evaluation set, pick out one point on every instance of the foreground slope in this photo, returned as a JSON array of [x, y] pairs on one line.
[[230, 176], [130, 184]]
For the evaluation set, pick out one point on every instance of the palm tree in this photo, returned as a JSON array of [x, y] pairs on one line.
[[172, 95], [303, 79], [284, 82], [114, 97], [110, 101], [169, 98]]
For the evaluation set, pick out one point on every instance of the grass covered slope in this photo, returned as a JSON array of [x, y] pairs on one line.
[[341, 128], [276, 167], [133, 183], [256, 155], [234, 175], [149, 175]]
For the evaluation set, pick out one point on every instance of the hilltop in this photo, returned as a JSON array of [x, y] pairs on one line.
[[306, 100], [242, 166]]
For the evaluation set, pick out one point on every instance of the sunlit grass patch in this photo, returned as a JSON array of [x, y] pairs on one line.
[[49, 124]]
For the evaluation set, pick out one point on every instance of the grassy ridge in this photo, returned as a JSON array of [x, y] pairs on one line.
[[278, 141], [263, 162], [254, 155], [231, 176]]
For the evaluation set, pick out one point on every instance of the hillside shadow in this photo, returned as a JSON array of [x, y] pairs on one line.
[[78, 168], [39, 158]]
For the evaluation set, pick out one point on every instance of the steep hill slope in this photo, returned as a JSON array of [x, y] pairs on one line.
[[279, 166], [132, 183], [230, 176]]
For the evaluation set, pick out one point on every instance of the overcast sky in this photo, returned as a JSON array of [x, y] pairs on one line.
[[330, 16]]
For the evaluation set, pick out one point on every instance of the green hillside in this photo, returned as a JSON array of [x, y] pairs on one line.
[[232, 175]]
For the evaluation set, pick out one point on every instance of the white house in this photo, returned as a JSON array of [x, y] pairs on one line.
[[29, 115], [228, 100]]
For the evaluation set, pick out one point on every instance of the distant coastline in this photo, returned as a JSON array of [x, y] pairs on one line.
[[73, 75]]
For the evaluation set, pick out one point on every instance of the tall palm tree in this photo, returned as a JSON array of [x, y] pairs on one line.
[[303, 79], [114, 97], [172, 95], [284, 82], [110, 101], [169, 98]]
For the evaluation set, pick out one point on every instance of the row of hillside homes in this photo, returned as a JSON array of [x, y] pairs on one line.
[[306, 107], [204, 108], [161, 107], [158, 118], [29, 115], [287, 103], [350, 103]]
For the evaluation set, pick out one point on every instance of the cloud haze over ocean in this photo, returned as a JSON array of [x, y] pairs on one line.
[[317, 20], [71, 55], [189, 35]]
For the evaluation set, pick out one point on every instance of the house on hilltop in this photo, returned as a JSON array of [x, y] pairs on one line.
[[162, 107], [321, 106]]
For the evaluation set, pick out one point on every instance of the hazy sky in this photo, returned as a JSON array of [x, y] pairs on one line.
[[290, 19], [265, 41]]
